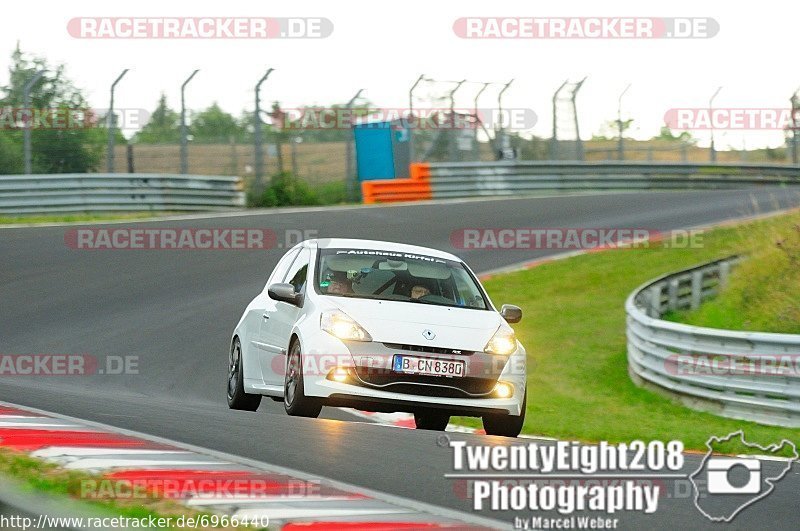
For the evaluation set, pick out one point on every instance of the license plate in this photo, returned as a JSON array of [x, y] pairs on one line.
[[428, 366]]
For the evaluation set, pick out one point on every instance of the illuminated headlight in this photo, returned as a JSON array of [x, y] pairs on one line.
[[503, 390], [339, 374], [339, 324], [503, 342]]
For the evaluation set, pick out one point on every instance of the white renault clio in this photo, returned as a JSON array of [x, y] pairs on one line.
[[379, 326]]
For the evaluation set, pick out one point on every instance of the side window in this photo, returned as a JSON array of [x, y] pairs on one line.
[[297, 273], [279, 272]]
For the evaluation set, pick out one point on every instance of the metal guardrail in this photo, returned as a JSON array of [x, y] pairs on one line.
[[730, 373], [435, 180], [117, 192], [515, 177]]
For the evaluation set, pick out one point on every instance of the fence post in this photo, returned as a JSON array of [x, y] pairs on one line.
[[258, 144], [184, 129], [350, 176], [654, 308], [130, 158], [697, 289], [554, 140], [26, 133], [672, 304], [724, 272], [578, 142], [112, 122]]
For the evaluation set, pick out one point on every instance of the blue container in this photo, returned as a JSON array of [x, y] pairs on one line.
[[382, 150]]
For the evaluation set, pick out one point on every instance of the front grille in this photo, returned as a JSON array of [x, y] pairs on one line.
[[425, 348], [418, 384]]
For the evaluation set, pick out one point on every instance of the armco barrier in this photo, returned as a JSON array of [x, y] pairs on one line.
[[117, 192], [476, 179], [744, 375]]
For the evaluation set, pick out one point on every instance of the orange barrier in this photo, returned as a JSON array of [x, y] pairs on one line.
[[416, 188]]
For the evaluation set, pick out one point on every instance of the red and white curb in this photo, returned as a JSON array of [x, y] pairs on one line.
[[211, 481]]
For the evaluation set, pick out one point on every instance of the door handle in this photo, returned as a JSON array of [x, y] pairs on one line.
[[266, 315]]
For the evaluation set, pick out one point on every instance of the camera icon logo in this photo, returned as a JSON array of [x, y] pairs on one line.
[[721, 472], [730, 479]]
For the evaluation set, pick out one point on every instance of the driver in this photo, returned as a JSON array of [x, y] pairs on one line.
[[419, 291], [339, 285]]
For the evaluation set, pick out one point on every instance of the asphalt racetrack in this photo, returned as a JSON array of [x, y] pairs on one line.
[[175, 310]]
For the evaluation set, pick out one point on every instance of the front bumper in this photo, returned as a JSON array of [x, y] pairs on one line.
[[370, 385]]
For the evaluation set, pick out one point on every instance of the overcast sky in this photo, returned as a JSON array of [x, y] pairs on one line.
[[383, 46]]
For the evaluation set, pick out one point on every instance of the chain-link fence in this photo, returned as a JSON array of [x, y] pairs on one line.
[[314, 162], [475, 128]]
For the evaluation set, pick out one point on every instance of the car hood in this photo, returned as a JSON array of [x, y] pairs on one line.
[[405, 322]]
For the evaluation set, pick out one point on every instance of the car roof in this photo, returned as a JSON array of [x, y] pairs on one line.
[[348, 243]]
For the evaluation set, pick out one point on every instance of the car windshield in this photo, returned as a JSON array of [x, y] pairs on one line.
[[397, 276]]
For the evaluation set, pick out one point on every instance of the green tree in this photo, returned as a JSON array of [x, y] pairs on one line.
[[610, 129], [666, 134], [163, 126], [57, 146], [10, 155], [214, 125]]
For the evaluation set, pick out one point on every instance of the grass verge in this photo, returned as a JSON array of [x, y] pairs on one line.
[[574, 331], [76, 218], [763, 293]]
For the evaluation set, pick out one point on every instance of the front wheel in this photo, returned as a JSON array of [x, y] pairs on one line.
[[506, 425], [431, 420], [296, 403], [237, 398]]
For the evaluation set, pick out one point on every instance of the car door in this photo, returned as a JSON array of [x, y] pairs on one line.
[[278, 326], [264, 308]]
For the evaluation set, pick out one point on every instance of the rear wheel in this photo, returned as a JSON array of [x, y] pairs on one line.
[[237, 398], [296, 403], [431, 420], [506, 425]]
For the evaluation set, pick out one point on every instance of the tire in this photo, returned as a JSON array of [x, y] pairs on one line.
[[296, 403], [237, 398], [506, 425], [431, 420]]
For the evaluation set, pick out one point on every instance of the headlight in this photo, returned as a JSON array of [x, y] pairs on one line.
[[503, 390], [503, 342], [339, 324]]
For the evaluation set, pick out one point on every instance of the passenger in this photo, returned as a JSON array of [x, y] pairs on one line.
[[419, 291]]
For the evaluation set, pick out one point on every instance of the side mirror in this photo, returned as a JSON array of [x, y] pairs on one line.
[[511, 313], [284, 292]]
